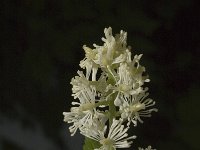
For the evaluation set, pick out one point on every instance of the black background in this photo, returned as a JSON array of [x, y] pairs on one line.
[[40, 49]]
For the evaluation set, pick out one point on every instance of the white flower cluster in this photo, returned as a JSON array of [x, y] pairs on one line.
[[109, 96]]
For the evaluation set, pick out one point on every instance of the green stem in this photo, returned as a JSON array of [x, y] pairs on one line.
[[112, 110], [111, 77]]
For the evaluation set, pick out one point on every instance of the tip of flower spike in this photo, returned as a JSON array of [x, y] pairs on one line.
[[108, 34], [108, 31]]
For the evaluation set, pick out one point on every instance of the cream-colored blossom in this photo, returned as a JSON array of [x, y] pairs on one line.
[[79, 84], [117, 136], [136, 70], [125, 85], [137, 106], [88, 63], [81, 115]]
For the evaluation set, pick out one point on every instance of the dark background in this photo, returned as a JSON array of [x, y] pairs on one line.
[[40, 49]]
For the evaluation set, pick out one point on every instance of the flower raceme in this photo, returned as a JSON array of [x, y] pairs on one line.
[[110, 95]]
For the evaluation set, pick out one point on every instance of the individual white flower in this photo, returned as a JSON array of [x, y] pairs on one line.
[[125, 82], [136, 70], [148, 148], [125, 85], [83, 112], [79, 83], [117, 136], [135, 107], [88, 62]]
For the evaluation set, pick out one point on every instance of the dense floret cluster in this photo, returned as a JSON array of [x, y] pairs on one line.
[[110, 95]]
